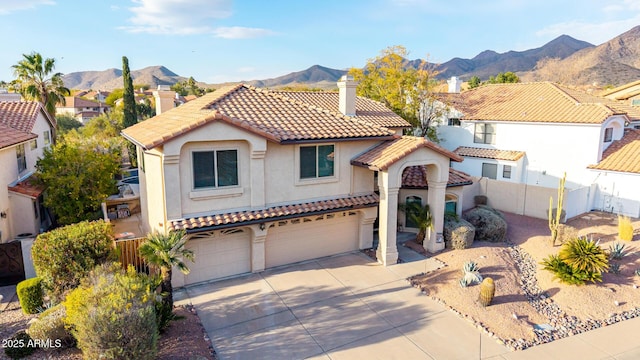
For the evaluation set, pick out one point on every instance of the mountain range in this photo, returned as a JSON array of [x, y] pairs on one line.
[[564, 59]]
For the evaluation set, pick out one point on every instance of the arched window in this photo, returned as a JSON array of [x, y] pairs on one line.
[[450, 203], [409, 223]]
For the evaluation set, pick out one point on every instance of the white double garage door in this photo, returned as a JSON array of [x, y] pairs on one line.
[[226, 253]]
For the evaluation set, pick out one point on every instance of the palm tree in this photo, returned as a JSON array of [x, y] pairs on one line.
[[166, 251], [420, 215], [33, 81]]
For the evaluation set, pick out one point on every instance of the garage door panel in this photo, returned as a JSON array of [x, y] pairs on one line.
[[219, 256], [301, 241]]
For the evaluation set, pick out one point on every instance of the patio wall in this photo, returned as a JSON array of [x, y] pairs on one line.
[[523, 199]]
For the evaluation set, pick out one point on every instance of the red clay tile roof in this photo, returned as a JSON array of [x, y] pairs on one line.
[[621, 88], [266, 113], [621, 107], [17, 119], [78, 102], [274, 213], [387, 153], [28, 187], [535, 102], [415, 177], [366, 109], [496, 154], [622, 155]]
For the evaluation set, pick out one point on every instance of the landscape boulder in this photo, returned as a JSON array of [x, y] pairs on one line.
[[489, 224]]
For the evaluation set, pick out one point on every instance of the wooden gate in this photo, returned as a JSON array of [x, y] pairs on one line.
[[11, 263], [129, 255]]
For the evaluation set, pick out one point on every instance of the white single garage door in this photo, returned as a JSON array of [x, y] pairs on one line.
[[309, 238], [218, 255]]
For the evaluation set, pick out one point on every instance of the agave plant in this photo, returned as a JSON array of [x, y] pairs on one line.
[[617, 251], [470, 274]]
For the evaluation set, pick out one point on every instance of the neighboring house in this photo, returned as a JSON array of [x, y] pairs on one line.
[[627, 93], [26, 129], [532, 133], [81, 109], [263, 178]]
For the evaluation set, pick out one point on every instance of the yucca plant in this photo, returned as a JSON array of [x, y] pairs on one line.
[[562, 271], [584, 255], [617, 251]]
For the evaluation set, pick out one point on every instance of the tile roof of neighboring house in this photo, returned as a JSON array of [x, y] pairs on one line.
[[620, 88], [415, 177], [387, 153], [633, 112], [366, 109], [511, 155], [274, 213], [17, 119], [622, 155], [28, 187], [535, 102], [266, 113], [78, 102]]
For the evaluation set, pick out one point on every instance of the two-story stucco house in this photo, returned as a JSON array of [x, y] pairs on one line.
[[82, 109], [262, 178], [26, 129], [532, 133]]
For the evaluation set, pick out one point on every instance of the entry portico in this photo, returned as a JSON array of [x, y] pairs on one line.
[[390, 159]]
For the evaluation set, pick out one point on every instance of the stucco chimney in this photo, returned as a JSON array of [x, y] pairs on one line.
[[164, 99], [347, 87], [454, 84]]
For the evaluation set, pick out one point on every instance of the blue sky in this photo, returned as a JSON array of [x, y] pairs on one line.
[[233, 40]]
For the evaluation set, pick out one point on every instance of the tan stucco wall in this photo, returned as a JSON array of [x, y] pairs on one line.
[[152, 193], [7, 175]]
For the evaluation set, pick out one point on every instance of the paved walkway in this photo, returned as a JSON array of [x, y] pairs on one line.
[[349, 307]]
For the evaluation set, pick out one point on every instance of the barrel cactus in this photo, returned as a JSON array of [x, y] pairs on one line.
[[487, 290]]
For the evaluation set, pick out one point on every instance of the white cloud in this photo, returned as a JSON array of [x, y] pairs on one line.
[[239, 32], [9, 6]]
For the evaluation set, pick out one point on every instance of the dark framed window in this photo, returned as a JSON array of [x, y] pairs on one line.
[[490, 170], [22, 159], [316, 161], [506, 171], [47, 138], [454, 122], [484, 134], [450, 204], [409, 223], [215, 169], [34, 144], [608, 134]]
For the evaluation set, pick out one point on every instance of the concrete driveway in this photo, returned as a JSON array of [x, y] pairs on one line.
[[340, 307]]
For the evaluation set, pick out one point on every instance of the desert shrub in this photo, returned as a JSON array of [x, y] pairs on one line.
[[489, 224], [62, 257], [578, 261], [112, 315], [30, 295], [625, 228], [458, 233], [50, 326], [566, 233], [19, 346]]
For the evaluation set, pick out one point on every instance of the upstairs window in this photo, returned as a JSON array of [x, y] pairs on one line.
[[47, 138], [506, 171], [316, 161], [34, 144], [608, 134], [490, 170], [454, 122], [22, 159], [485, 134], [215, 169]]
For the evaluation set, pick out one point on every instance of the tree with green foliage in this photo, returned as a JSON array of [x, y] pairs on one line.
[[114, 96], [36, 81], [167, 251], [189, 86], [145, 110], [78, 177], [504, 78], [474, 82], [66, 123], [128, 97], [407, 91], [104, 126]]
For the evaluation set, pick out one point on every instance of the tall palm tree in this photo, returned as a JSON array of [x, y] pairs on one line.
[[35, 81], [166, 251]]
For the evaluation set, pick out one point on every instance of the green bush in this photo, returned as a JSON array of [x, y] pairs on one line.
[[30, 295], [18, 346], [112, 315], [64, 256], [489, 224], [50, 327], [578, 261]]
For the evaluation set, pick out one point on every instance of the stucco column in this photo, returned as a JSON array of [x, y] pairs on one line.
[[173, 203], [437, 190], [257, 178], [387, 252], [258, 238], [367, 218]]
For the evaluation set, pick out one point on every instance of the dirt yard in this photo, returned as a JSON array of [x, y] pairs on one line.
[[526, 295]]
